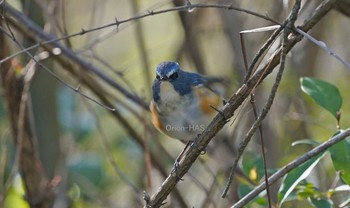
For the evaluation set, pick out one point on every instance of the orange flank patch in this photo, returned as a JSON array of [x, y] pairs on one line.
[[208, 98], [155, 117]]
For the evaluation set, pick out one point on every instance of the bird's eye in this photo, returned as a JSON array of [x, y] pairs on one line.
[[174, 75], [157, 77]]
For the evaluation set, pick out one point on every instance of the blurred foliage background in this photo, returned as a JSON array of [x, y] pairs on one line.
[[100, 163]]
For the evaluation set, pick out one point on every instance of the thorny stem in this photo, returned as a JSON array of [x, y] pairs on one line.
[[287, 30]]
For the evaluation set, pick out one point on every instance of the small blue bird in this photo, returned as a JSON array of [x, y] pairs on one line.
[[183, 102]]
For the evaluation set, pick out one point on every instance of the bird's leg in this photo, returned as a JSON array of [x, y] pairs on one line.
[[189, 144], [178, 159], [194, 144]]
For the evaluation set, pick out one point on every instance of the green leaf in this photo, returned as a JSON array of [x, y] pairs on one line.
[[340, 154], [321, 203], [323, 93], [295, 176]]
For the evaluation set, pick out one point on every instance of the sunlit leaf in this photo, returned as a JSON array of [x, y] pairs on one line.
[[14, 197], [253, 166], [253, 174], [323, 93], [295, 176]]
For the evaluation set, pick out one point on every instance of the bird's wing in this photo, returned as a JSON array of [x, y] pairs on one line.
[[209, 91], [215, 84]]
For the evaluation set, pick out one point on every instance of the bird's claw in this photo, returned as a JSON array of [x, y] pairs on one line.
[[175, 169]]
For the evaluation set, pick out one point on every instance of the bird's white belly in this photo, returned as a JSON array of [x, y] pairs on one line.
[[182, 126], [182, 119]]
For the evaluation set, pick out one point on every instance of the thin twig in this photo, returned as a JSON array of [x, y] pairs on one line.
[[323, 46], [262, 141]]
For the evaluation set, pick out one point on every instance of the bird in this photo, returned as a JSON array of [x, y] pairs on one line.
[[183, 102]]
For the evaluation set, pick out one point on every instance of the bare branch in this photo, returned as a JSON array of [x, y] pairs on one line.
[[324, 47]]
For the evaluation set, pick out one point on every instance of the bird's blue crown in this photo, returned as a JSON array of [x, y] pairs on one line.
[[166, 69]]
